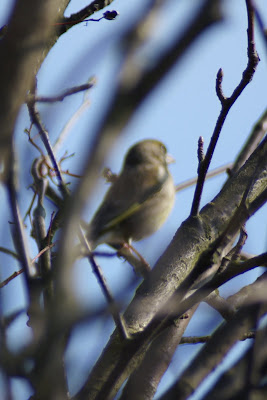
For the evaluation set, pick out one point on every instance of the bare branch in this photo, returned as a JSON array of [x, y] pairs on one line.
[[31, 30], [210, 174], [223, 340], [61, 97], [96, 5], [118, 319], [227, 103], [45, 138]]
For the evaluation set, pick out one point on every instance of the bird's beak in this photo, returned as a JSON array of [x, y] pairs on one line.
[[170, 159]]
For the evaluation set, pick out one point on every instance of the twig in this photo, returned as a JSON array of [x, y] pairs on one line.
[[61, 97], [200, 150], [236, 223], [219, 279], [63, 134], [205, 339], [257, 261], [210, 174], [18, 231], [106, 254], [258, 132], [226, 104], [137, 261], [9, 252], [17, 273], [96, 5], [249, 293], [28, 133], [135, 83], [28, 212], [118, 319], [35, 118], [10, 318], [11, 277], [236, 250], [263, 30], [109, 15], [48, 247], [221, 305], [77, 22]]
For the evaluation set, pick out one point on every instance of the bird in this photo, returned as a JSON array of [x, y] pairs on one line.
[[138, 201]]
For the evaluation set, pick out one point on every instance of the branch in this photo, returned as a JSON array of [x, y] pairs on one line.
[[205, 339], [35, 118], [159, 299], [76, 89], [11, 277], [210, 174], [69, 125], [127, 98], [227, 103], [218, 303], [258, 132], [23, 47], [234, 383], [9, 252], [207, 359], [18, 228], [66, 23], [143, 382], [262, 28], [118, 319]]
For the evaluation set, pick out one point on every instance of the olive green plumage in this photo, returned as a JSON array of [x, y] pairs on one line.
[[140, 199]]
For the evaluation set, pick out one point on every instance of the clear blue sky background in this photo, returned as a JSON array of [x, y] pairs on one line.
[[182, 108]]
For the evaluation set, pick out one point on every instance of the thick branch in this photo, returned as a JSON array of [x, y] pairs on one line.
[[175, 268], [23, 46]]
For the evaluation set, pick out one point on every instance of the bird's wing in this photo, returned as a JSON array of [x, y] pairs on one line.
[[119, 204]]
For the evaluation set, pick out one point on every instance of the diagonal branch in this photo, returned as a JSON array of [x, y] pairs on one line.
[[158, 299], [227, 103]]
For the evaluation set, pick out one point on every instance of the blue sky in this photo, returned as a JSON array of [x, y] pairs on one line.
[[181, 109]]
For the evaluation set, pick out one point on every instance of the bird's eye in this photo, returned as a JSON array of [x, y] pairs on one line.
[[163, 148]]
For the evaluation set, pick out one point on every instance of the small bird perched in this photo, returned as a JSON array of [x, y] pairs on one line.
[[138, 201]]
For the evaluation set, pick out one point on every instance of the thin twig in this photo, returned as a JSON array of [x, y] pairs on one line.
[[77, 22], [63, 134], [219, 279], [18, 231], [39, 227], [11, 277], [46, 248], [236, 250], [210, 174], [17, 273], [61, 97], [96, 5], [200, 150], [236, 222], [249, 292], [9, 252], [35, 118], [118, 319], [258, 132], [205, 339], [109, 15], [10, 318], [226, 104], [263, 30]]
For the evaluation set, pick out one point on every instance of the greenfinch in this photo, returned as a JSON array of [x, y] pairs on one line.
[[138, 201]]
